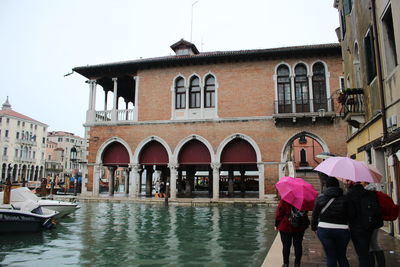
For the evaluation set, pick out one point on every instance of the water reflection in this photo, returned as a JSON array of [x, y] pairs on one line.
[[111, 234]]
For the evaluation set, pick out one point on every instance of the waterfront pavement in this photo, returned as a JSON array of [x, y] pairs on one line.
[[313, 254]]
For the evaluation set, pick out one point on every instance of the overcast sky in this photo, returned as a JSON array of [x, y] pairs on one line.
[[42, 40]]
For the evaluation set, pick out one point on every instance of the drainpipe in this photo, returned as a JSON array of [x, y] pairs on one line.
[[379, 70]]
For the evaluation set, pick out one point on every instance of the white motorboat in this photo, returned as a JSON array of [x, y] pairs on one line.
[[30, 217], [21, 194]]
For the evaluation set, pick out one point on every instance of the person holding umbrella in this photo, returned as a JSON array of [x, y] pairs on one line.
[[291, 220], [330, 220], [365, 215]]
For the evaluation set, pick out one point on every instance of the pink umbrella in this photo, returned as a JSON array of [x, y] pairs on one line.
[[376, 174], [346, 168], [297, 192]]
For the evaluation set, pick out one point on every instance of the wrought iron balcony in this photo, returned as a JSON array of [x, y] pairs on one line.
[[353, 107]]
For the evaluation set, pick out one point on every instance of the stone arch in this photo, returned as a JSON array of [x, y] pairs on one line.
[[285, 64], [181, 144], [209, 74], [174, 81], [286, 147], [192, 76], [300, 62], [147, 140], [234, 136]]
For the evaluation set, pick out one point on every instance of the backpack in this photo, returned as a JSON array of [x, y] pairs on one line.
[[371, 214], [390, 211], [297, 218]]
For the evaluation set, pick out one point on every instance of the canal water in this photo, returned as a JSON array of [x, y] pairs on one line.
[[126, 234]]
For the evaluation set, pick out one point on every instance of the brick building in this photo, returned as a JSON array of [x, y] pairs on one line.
[[222, 122]]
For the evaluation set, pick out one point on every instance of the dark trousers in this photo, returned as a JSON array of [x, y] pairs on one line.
[[287, 239], [335, 243], [361, 240]]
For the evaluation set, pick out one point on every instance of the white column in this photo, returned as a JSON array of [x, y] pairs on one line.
[[84, 181], [187, 101], [134, 177], [174, 175], [91, 113], [261, 180], [90, 107], [215, 166], [293, 93], [311, 93], [94, 87], [114, 114], [275, 78], [136, 106], [96, 179], [201, 98], [328, 90]]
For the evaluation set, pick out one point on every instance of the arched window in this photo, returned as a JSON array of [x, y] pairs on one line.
[[209, 92], [319, 87], [301, 88], [284, 90], [180, 94], [194, 93]]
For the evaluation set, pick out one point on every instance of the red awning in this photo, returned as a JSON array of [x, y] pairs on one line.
[[238, 151], [116, 154], [153, 153], [194, 152]]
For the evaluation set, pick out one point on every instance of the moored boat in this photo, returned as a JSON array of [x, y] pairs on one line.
[[29, 218], [22, 194]]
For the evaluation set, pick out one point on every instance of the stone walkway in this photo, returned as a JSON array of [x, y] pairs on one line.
[[313, 254]]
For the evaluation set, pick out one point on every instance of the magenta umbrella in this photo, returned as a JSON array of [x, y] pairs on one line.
[[346, 168], [297, 192]]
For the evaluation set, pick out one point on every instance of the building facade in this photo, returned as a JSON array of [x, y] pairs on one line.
[[65, 154], [221, 122], [23, 146], [369, 37]]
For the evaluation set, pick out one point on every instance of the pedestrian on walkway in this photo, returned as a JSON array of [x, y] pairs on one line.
[[375, 250], [289, 233], [365, 216], [330, 221]]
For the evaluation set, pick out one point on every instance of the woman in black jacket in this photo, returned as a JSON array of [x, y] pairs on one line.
[[330, 220]]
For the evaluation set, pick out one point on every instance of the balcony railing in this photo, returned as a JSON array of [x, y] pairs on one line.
[[24, 160], [352, 101], [25, 142], [126, 115], [303, 106], [104, 115], [122, 115]]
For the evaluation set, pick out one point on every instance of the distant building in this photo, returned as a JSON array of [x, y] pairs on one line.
[[219, 122], [66, 153], [370, 39], [22, 146]]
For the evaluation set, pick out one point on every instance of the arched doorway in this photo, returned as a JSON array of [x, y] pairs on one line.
[[300, 155], [114, 175], [154, 159], [239, 174], [194, 172]]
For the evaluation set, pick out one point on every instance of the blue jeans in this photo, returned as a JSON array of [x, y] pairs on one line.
[[335, 243]]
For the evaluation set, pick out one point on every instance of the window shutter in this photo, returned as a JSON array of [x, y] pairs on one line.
[[347, 6]]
